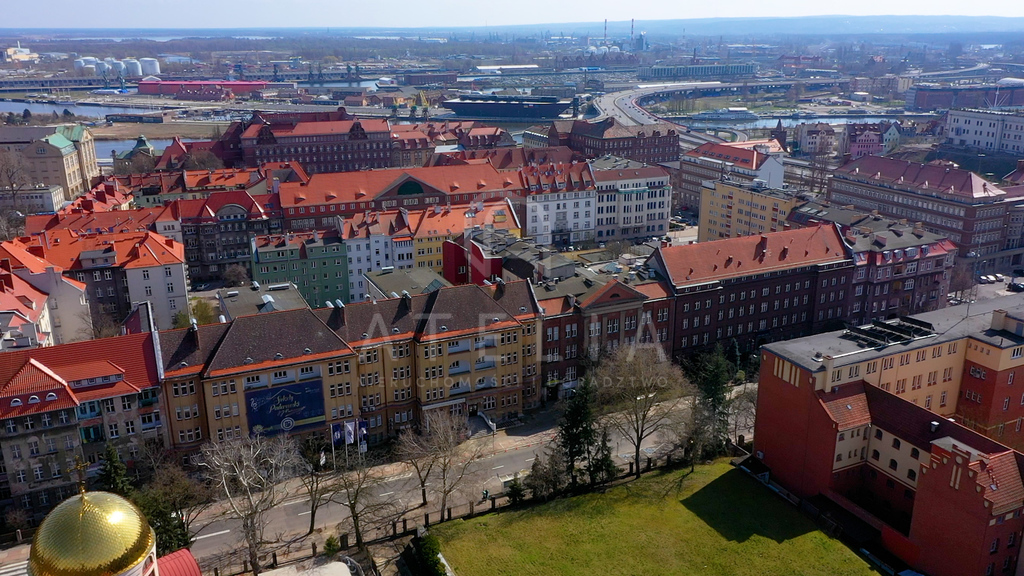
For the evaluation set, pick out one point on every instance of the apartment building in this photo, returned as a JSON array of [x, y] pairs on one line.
[[817, 138], [465, 349], [561, 204], [585, 316], [885, 419], [861, 140], [743, 292], [119, 269], [63, 155], [729, 209], [436, 226], [991, 130], [24, 313], [65, 299], [69, 401], [316, 203], [39, 199], [737, 162], [634, 200], [956, 203], [648, 143], [374, 241], [316, 262], [217, 229], [334, 145]]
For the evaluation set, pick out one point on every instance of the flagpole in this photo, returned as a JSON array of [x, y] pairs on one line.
[[330, 434]]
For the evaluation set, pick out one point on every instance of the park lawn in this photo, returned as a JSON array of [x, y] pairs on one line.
[[716, 521]]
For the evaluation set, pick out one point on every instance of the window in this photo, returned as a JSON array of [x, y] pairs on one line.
[[896, 443], [892, 464], [911, 475], [875, 455], [878, 434]]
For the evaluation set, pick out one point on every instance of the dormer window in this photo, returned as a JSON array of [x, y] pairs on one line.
[[33, 399], [16, 402], [51, 396]]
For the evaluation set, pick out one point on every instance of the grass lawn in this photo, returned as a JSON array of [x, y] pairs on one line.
[[716, 521]]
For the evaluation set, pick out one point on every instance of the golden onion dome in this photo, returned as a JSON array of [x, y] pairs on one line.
[[90, 534]]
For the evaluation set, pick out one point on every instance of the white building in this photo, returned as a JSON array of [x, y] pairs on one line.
[[634, 200], [68, 308], [995, 130], [375, 240], [561, 208], [39, 199]]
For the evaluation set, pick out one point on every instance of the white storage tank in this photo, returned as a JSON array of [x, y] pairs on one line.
[[117, 67], [89, 61], [78, 64], [132, 67], [102, 67], [89, 70], [150, 66]]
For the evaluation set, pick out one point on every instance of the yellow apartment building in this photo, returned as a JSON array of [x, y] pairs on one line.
[[731, 209]]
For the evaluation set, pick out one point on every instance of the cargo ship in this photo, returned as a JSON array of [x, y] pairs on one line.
[[520, 107]]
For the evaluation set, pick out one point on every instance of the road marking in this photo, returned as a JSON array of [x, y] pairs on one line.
[[305, 513], [387, 494], [290, 502], [18, 569], [530, 459], [496, 467], [210, 535]]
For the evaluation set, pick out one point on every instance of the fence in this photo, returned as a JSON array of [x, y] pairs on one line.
[[406, 526]]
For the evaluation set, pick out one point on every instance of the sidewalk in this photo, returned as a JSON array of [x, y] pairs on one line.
[[15, 554]]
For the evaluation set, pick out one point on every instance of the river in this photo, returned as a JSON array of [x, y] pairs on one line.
[[93, 111], [104, 147], [790, 122]]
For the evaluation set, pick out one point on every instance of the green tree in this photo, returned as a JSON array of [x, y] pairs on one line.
[[576, 429], [601, 467], [516, 491], [710, 374], [113, 475], [171, 534], [26, 115]]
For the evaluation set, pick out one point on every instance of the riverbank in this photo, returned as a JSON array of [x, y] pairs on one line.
[[126, 130]]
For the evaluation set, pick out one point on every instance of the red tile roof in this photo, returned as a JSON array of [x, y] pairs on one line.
[[455, 221], [180, 563], [848, 406], [225, 178], [745, 255], [43, 370], [363, 186], [742, 157], [999, 479], [96, 222], [132, 249], [926, 178]]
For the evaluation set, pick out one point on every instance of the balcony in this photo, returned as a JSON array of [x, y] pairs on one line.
[[484, 343], [459, 346], [486, 382], [458, 367], [485, 363]]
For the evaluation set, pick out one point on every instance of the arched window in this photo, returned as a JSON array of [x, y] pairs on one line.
[[33, 399], [16, 402]]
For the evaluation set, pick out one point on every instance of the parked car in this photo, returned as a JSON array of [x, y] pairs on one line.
[[1000, 278], [984, 280], [992, 279], [1015, 287]]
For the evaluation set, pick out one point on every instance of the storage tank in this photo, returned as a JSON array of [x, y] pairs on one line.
[[78, 64], [117, 67], [89, 61], [102, 67], [1011, 82], [132, 67], [150, 66], [602, 50], [89, 70]]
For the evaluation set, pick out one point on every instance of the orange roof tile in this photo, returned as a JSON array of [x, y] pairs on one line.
[[745, 255], [848, 406], [131, 249]]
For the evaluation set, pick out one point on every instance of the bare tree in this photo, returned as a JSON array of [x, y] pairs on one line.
[[742, 411], [417, 450], [13, 171], [962, 278], [319, 481], [249, 473], [202, 160], [357, 490], [639, 389], [454, 460]]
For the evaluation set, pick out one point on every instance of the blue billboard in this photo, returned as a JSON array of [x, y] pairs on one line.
[[286, 408]]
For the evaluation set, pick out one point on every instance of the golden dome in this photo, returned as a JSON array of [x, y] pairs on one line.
[[90, 534]]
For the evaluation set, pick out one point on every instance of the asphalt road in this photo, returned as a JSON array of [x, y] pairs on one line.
[[506, 453]]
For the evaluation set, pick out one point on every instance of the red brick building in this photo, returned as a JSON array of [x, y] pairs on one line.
[[942, 498], [743, 292], [648, 143]]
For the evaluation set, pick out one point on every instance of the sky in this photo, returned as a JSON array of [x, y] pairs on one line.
[[449, 13]]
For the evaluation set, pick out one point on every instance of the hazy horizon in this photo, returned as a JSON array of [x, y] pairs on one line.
[[252, 14]]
